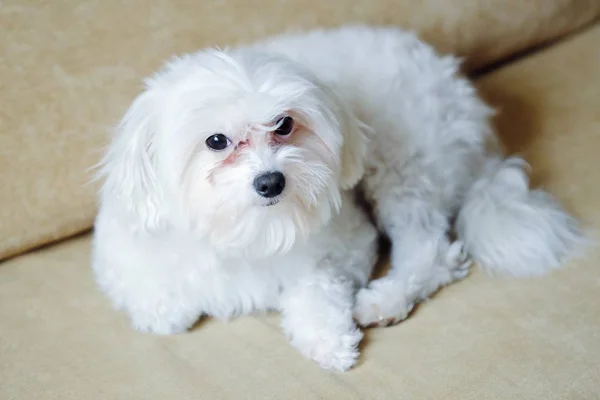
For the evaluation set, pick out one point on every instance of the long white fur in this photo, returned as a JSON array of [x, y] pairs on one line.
[[179, 235]]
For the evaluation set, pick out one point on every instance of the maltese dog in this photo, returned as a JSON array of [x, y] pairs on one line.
[[230, 188]]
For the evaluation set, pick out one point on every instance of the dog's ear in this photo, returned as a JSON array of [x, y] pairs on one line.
[[354, 148], [345, 135], [130, 164]]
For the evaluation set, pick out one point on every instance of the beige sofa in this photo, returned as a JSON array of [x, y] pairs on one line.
[[69, 69]]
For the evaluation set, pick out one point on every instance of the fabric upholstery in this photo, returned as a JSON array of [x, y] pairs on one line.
[[70, 68], [480, 339]]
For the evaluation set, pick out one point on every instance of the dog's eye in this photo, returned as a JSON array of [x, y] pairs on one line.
[[284, 126], [218, 142]]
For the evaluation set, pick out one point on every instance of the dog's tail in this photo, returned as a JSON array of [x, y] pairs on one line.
[[508, 228]]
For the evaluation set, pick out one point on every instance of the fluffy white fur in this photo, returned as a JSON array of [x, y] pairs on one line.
[[182, 233]]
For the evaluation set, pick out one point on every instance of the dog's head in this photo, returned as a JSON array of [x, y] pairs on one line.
[[248, 149]]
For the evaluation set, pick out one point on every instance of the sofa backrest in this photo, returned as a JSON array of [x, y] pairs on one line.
[[69, 69]]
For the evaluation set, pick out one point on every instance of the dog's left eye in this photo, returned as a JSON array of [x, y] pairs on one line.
[[218, 142], [284, 126]]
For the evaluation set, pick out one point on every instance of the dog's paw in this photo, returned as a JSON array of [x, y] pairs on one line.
[[387, 301], [381, 304], [332, 352], [160, 323], [458, 261], [158, 327]]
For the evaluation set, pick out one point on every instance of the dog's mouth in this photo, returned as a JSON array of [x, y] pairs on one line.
[[270, 202]]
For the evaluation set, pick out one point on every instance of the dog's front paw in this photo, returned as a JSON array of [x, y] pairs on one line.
[[330, 351], [381, 304], [161, 321], [387, 301]]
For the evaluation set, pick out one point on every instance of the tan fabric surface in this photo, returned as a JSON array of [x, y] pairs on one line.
[[69, 68], [481, 339]]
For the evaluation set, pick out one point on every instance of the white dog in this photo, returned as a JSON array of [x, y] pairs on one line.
[[229, 189]]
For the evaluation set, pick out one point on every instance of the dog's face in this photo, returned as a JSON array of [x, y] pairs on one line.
[[246, 149]]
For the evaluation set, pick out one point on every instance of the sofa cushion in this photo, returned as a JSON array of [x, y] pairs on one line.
[[70, 69], [479, 339]]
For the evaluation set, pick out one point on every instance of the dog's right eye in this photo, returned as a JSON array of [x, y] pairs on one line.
[[218, 142]]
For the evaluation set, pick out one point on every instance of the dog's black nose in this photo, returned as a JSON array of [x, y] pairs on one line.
[[270, 184]]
